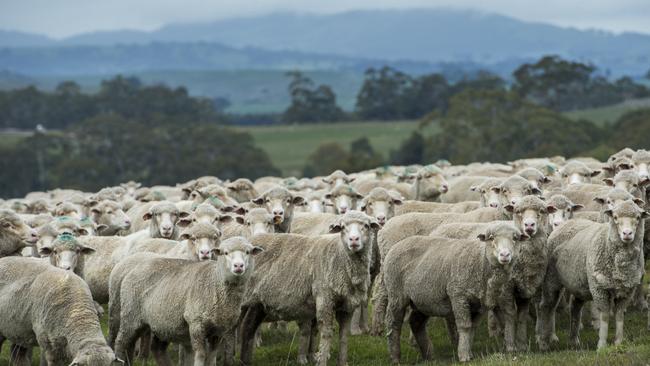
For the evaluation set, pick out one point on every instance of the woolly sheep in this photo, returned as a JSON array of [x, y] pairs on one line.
[[280, 203], [52, 308], [242, 190], [641, 159], [381, 204], [442, 277], [575, 172], [599, 262], [466, 188], [329, 278], [336, 178], [15, 235], [564, 210], [195, 313], [110, 214], [343, 198], [68, 209]]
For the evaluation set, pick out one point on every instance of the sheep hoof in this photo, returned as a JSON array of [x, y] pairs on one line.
[[554, 338], [302, 360], [356, 331]]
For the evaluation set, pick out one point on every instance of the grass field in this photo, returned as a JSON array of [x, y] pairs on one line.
[[280, 348], [611, 113], [289, 146]]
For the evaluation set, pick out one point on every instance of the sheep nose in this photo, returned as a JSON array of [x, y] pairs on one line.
[[278, 212], [354, 238], [127, 222], [494, 205], [444, 188], [504, 257], [33, 234], [67, 268], [381, 219], [238, 267], [343, 209]]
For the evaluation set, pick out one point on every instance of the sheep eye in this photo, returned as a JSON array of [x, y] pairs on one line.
[[248, 252]]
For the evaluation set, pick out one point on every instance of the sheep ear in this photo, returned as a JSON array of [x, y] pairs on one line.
[[240, 210], [90, 203], [217, 251], [224, 219], [96, 211], [363, 204], [600, 200], [509, 208], [240, 220], [296, 200], [551, 209], [397, 201], [482, 237], [101, 227], [326, 180], [536, 191], [183, 222], [328, 196], [147, 216], [609, 182], [576, 207], [358, 196], [183, 214], [609, 213], [350, 180], [335, 228], [546, 180], [521, 237], [81, 231], [256, 250], [375, 225], [184, 236], [87, 250], [258, 200], [639, 202], [645, 214], [595, 173], [645, 181], [45, 251], [496, 189], [473, 188]]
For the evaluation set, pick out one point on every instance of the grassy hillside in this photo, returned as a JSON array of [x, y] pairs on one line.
[[610, 113], [289, 146]]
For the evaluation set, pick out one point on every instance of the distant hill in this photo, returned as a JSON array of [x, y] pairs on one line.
[[22, 39]]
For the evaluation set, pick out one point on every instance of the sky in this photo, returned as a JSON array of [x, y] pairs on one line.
[[63, 18]]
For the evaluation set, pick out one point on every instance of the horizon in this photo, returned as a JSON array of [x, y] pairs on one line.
[[14, 20]]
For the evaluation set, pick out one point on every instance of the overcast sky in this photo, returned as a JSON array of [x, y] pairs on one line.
[[61, 18]]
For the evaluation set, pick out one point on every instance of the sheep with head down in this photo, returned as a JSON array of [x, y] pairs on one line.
[[598, 262]]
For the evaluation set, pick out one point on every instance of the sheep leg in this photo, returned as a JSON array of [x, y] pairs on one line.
[[199, 346], [595, 316], [522, 324], [113, 321], [228, 347], [186, 356], [602, 302], [379, 302], [576, 315], [19, 355], [343, 319], [546, 317], [159, 350], [464, 325], [144, 347], [125, 342], [250, 323], [452, 332], [305, 339], [418, 323], [324, 314], [394, 318], [619, 307], [494, 325], [312, 341]]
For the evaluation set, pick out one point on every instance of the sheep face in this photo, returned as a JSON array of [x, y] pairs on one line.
[[164, 217], [502, 242], [430, 185], [110, 214], [514, 189], [67, 209], [337, 178], [356, 231], [625, 217], [641, 160], [257, 222], [628, 181], [279, 202], [202, 240], [97, 356], [316, 205], [19, 206], [530, 214], [380, 206], [65, 252], [237, 252], [130, 187], [564, 210], [535, 177], [489, 196], [575, 172], [344, 198], [12, 224]]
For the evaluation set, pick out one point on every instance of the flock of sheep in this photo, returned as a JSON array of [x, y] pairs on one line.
[[203, 264]]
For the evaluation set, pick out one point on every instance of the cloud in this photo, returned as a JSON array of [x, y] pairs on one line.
[[63, 18]]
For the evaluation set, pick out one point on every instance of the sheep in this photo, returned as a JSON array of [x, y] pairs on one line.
[[130, 187], [564, 210], [68, 209], [52, 308], [511, 191], [61, 225], [429, 184], [314, 201], [96, 269], [575, 172], [470, 188], [436, 207], [599, 262], [110, 214], [197, 241], [39, 206], [630, 181], [196, 313], [451, 278], [242, 190], [535, 177], [381, 204], [344, 198], [619, 164], [310, 279], [641, 159], [280, 203], [37, 221], [254, 222], [207, 214], [164, 219], [337, 178], [15, 235]]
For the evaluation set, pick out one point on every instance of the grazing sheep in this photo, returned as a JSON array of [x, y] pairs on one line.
[[15, 235], [450, 278], [111, 215], [207, 214], [344, 198], [52, 308], [65, 252], [197, 304], [242, 190], [575, 172], [310, 279], [280, 203], [599, 262]]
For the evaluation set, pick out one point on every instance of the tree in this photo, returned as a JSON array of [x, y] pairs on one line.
[[631, 130], [325, 159], [362, 156], [410, 151], [309, 103], [381, 95]]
